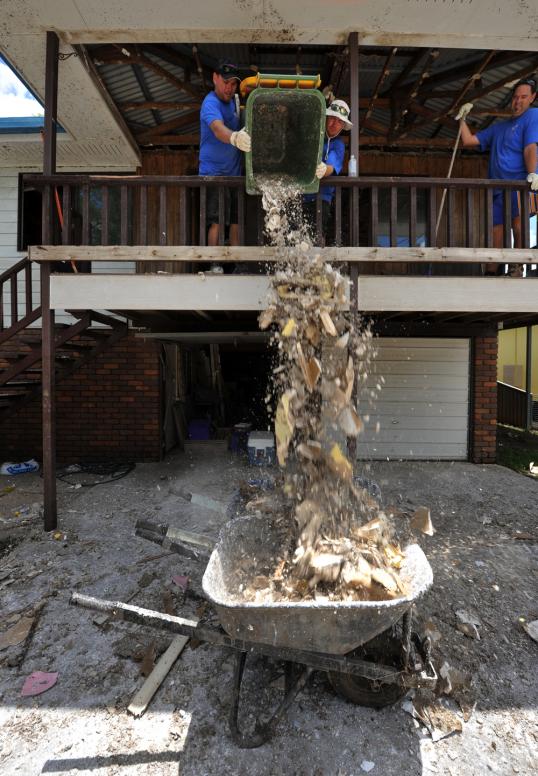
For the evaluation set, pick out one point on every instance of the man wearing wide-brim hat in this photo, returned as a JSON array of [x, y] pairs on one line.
[[221, 144], [332, 161]]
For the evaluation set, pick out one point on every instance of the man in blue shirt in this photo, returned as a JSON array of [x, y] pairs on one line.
[[332, 161], [513, 156], [221, 143]]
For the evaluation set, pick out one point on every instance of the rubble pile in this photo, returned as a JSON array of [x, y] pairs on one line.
[[342, 544]]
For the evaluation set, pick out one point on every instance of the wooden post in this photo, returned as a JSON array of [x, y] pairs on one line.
[[528, 378], [47, 319], [354, 150], [51, 104], [354, 117], [354, 93]]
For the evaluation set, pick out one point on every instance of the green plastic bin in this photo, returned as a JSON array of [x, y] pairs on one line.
[[287, 127]]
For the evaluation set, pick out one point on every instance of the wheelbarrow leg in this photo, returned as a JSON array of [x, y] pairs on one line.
[[407, 629], [263, 731]]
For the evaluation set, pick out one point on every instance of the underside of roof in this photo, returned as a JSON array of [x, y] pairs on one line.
[[408, 96], [419, 59]]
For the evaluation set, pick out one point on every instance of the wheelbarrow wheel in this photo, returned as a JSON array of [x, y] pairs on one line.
[[385, 649]]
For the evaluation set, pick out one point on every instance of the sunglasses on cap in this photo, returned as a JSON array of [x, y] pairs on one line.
[[337, 108]]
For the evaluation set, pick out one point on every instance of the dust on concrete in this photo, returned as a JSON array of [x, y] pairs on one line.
[[483, 557]]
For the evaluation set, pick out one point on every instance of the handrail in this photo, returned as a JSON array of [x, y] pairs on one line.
[[196, 181], [371, 211], [11, 276], [14, 269]]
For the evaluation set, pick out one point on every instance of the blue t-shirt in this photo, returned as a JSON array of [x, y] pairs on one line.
[[506, 141], [333, 154], [216, 157]]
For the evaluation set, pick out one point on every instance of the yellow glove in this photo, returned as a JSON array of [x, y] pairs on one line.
[[241, 140], [321, 169]]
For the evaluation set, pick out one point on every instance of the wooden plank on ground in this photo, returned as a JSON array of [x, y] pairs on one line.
[[142, 698]]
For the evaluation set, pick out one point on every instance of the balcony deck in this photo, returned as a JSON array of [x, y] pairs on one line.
[[410, 258]]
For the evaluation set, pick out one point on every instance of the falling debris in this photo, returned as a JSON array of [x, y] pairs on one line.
[[531, 628], [432, 632], [459, 685], [17, 633], [421, 521], [337, 542], [439, 720], [148, 660], [467, 624], [7, 489], [181, 581], [38, 682]]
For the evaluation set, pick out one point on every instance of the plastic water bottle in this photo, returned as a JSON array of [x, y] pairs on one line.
[[11, 469], [352, 167]]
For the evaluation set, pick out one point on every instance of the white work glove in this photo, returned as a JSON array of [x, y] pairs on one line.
[[532, 178], [321, 169], [464, 111], [328, 93], [241, 140]]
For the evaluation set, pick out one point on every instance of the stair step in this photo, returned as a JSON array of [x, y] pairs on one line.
[[86, 345], [14, 358], [16, 355], [7, 392]]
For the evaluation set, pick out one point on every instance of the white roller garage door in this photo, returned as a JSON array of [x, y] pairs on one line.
[[422, 410]]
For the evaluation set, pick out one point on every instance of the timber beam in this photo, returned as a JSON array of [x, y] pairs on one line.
[[226, 254]]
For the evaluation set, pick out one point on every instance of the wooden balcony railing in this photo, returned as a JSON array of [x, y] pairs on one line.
[[171, 210], [15, 312]]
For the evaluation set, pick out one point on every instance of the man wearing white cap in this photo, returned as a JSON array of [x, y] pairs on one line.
[[332, 160]]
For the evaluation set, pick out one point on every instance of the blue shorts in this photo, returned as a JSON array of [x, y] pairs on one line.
[[498, 205]]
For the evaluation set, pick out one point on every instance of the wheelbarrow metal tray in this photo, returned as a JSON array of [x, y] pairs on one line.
[[248, 544]]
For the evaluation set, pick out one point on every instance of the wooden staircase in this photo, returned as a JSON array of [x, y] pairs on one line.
[[21, 348]]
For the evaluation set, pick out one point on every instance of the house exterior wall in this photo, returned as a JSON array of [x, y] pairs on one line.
[[512, 362], [9, 255], [484, 401], [109, 410]]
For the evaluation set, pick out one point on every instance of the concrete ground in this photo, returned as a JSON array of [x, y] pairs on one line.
[[483, 558]]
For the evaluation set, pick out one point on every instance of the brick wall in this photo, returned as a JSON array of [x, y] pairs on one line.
[[484, 409], [109, 409]]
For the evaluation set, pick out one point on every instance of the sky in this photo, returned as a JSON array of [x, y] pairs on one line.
[[15, 99]]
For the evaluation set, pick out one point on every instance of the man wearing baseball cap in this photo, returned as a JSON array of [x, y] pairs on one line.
[[332, 160], [221, 143]]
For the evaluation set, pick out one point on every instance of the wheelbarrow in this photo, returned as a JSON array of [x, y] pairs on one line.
[[368, 648]]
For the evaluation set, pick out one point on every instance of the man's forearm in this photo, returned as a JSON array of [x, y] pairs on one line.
[[467, 138], [221, 131], [530, 155]]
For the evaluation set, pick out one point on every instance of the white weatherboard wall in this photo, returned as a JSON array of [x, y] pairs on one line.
[[9, 184], [423, 406], [9, 255]]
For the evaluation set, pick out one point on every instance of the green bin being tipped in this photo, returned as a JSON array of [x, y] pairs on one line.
[[287, 128]]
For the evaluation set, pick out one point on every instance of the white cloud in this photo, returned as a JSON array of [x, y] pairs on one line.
[[15, 99]]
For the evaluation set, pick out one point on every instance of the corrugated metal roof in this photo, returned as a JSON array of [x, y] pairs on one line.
[[125, 86]]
